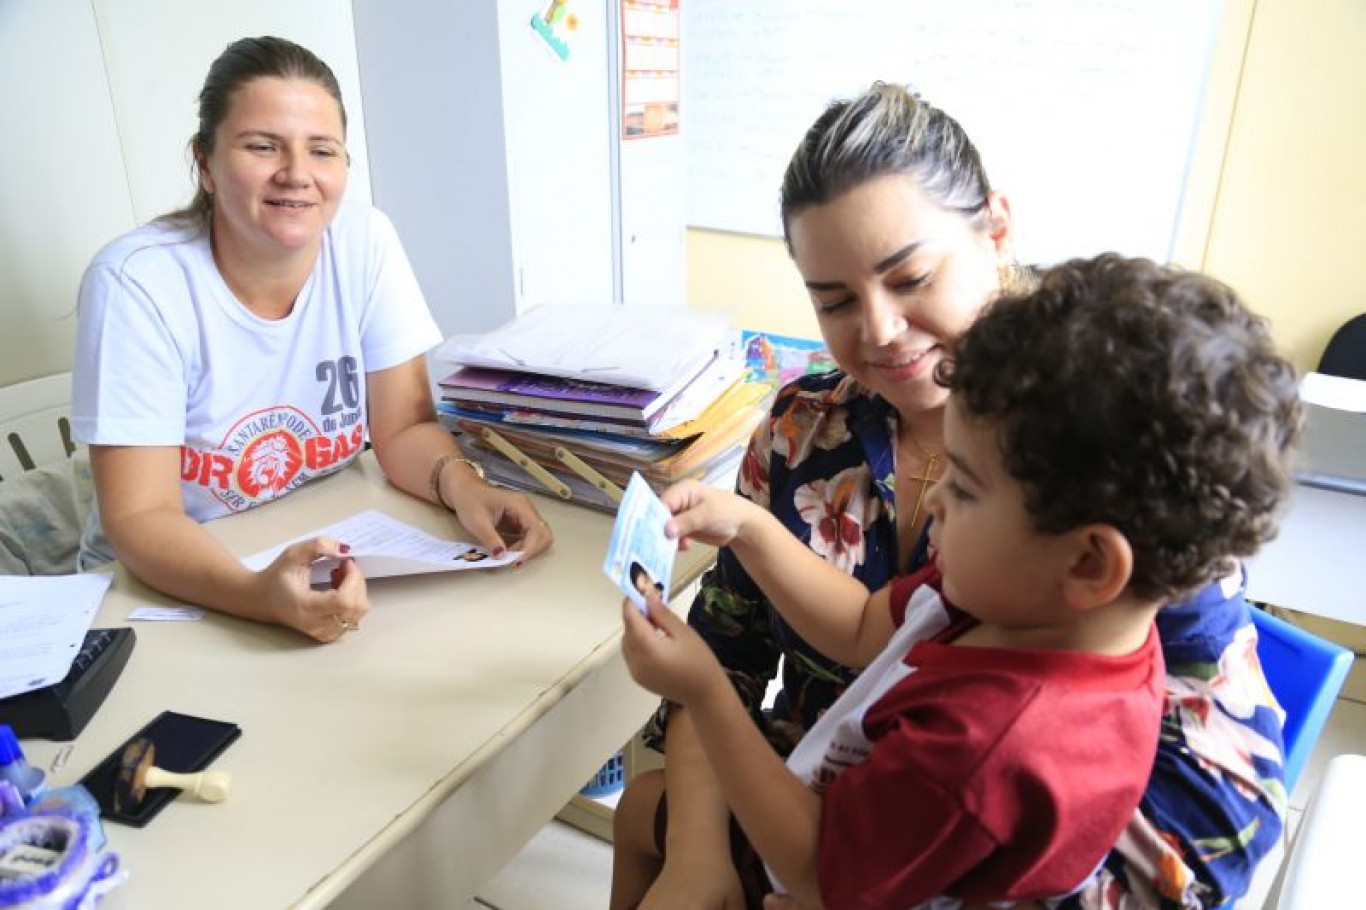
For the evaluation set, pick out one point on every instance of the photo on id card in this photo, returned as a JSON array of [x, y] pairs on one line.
[[639, 556]]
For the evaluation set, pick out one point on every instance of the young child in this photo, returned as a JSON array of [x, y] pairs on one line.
[[1113, 439]]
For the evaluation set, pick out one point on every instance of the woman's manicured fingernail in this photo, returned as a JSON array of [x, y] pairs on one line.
[[345, 548], [499, 551]]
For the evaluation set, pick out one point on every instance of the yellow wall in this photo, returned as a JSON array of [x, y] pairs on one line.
[[1275, 198], [1287, 228], [751, 280]]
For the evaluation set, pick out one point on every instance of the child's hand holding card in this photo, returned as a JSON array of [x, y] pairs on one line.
[[639, 556]]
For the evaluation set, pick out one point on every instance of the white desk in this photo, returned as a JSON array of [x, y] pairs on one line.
[[1317, 564], [400, 767]]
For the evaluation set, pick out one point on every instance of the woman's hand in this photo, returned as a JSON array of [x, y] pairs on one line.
[[667, 657], [499, 519], [409, 444], [704, 513], [288, 599]]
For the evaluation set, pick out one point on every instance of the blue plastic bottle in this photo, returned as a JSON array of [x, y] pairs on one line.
[[13, 768]]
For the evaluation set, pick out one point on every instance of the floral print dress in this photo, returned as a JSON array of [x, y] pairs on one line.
[[823, 463]]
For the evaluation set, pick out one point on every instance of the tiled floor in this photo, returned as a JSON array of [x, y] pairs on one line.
[[561, 869], [565, 869]]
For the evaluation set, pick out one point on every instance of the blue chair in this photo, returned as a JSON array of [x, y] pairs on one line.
[[1305, 673]]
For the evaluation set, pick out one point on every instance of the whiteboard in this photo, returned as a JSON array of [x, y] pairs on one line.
[[1084, 111]]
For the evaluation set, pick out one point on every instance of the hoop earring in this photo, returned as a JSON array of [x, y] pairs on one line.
[[1013, 277]]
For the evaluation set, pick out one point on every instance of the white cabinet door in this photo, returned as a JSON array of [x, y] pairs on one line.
[[559, 153], [497, 153], [653, 210]]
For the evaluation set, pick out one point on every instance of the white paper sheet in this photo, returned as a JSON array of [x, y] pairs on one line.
[[641, 348], [383, 546], [43, 621], [166, 614]]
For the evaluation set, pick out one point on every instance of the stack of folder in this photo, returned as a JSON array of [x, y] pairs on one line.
[[572, 400]]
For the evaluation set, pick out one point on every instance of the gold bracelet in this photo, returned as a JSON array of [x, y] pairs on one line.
[[434, 482]]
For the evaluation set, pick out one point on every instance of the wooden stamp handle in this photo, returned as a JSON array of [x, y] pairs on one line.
[[209, 786]]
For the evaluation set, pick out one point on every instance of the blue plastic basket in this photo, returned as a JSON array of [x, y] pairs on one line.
[[610, 778]]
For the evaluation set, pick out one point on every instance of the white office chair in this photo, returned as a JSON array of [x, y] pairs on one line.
[[33, 424], [45, 496], [1324, 868]]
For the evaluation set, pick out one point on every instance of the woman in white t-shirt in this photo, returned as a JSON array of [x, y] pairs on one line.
[[230, 352]]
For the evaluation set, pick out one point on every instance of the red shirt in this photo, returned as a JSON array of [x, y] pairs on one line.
[[990, 774]]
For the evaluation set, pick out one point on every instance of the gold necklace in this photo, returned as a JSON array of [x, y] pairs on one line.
[[928, 477]]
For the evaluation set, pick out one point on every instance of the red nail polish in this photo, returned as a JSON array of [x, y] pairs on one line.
[[345, 548], [499, 551]]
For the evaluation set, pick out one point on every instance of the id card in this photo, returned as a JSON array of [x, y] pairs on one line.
[[639, 556]]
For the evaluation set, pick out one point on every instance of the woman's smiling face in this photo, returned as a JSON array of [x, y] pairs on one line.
[[895, 279], [278, 169]]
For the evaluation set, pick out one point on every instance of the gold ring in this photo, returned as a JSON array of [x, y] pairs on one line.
[[346, 625]]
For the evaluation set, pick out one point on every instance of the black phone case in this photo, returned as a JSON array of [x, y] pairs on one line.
[[183, 744]]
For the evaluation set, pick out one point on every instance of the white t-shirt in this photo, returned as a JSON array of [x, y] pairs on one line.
[[837, 740], [167, 356]]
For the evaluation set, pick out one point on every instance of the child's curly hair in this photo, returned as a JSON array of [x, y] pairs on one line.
[[1142, 397]]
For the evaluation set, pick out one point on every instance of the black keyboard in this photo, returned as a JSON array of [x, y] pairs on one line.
[[61, 711]]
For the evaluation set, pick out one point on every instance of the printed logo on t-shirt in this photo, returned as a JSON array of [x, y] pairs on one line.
[[268, 464], [268, 453], [846, 750]]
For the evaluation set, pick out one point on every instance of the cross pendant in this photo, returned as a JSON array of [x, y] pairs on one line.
[[925, 480]]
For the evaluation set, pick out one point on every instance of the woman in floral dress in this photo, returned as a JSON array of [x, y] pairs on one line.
[[900, 241]]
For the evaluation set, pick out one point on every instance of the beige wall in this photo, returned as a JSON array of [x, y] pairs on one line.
[[1287, 227], [751, 280], [1275, 195]]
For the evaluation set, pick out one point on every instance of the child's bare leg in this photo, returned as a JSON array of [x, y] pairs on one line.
[[635, 857]]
